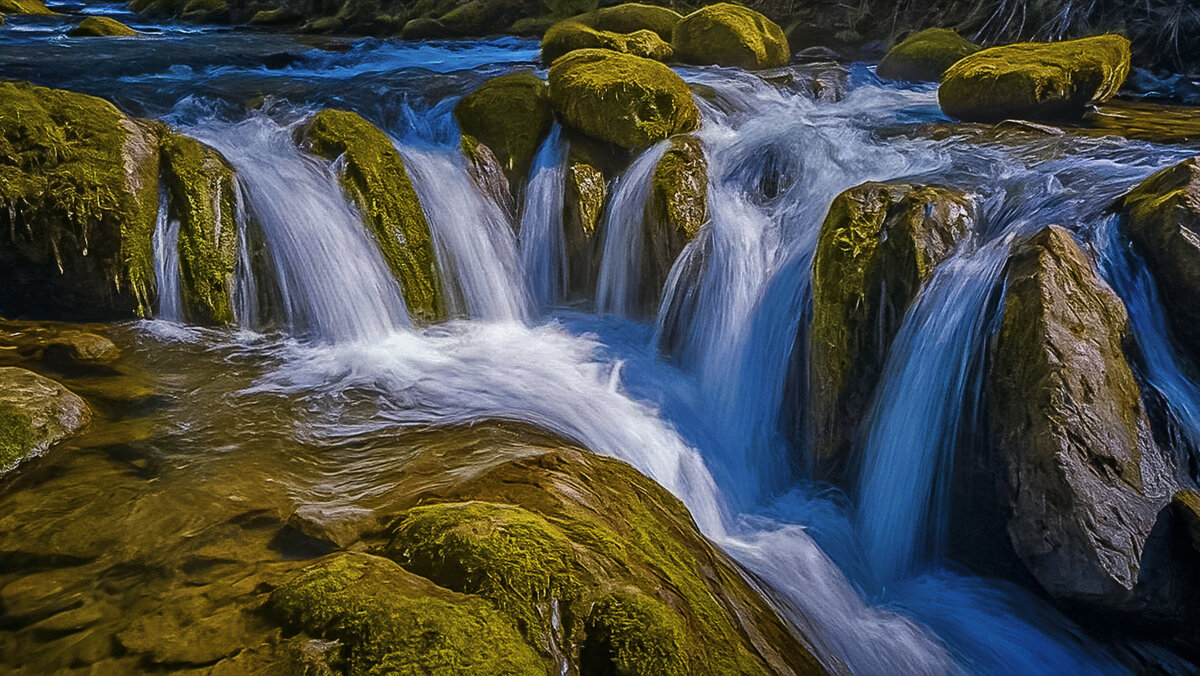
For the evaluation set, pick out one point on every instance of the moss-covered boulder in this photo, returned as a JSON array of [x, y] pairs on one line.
[[586, 193], [511, 115], [79, 198], [632, 17], [1069, 428], [633, 633], [423, 28], [623, 99], [101, 26], [279, 16], [571, 34], [483, 17], [374, 176], [35, 413], [391, 621], [730, 35], [202, 196], [1161, 216], [1036, 81], [678, 207], [878, 245], [925, 56], [24, 7]]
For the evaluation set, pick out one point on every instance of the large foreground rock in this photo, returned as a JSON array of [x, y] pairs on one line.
[[925, 56], [511, 115], [35, 413], [626, 100], [1035, 81], [730, 35], [1162, 219], [878, 245]]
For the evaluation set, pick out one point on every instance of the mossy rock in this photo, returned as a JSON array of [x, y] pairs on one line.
[[202, 196], [626, 100], [280, 16], [567, 36], [101, 26], [79, 191], [511, 115], [423, 28], [532, 26], [484, 17], [631, 17], [678, 208], [586, 193], [488, 176], [24, 7], [390, 621], [632, 633], [35, 413], [925, 56], [878, 245], [206, 10], [79, 348], [730, 35], [1035, 81], [1161, 216], [374, 176]]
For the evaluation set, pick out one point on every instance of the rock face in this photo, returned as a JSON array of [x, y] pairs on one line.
[[925, 56], [1162, 219], [510, 115], [1070, 429], [678, 207], [586, 194], [626, 100], [101, 26], [1036, 81], [79, 187], [572, 34], [35, 413], [375, 178], [730, 35], [878, 245], [203, 198]]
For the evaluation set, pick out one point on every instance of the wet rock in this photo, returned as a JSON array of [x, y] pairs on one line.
[[1162, 219], [1082, 478], [925, 56], [626, 100], [878, 245], [101, 26], [35, 413], [339, 526], [817, 54], [488, 176], [826, 82], [187, 631], [511, 115], [374, 176], [79, 191], [730, 35], [423, 28], [1186, 504], [78, 348], [481, 17], [570, 35], [1157, 123], [280, 16], [583, 204], [202, 196], [1037, 81], [23, 7], [678, 208]]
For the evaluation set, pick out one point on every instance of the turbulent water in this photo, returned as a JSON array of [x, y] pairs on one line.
[[694, 397]]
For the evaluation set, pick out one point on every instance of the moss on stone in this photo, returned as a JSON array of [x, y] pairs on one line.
[[16, 435], [511, 115], [925, 56], [1039, 81], [730, 35], [623, 99], [79, 191], [631, 633], [374, 176], [35, 413], [202, 195], [482, 17], [24, 7], [211, 10], [678, 208], [392, 622], [631, 17], [423, 28], [101, 26], [571, 34], [279, 16], [586, 192]]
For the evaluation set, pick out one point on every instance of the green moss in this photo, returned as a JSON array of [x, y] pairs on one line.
[[631, 17], [630, 633], [198, 10], [391, 622], [619, 98], [570, 35], [1041, 81], [375, 178], [203, 197], [101, 26], [423, 28], [925, 56], [16, 435], [79, 187], [23, 7], [280, 16], [532, 26], [483, 17], [730, 35], [511, 115]]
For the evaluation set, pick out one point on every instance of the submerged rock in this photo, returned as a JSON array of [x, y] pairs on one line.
[[925, 56], [1037, 81], [374, 176], [511, 115], [79, 348], [202, 196], [101, 26], [878, 245], [730, 35], [623, 99], [567, 36], [1162, 219], [79, 191], [35, 413], [678, 207]]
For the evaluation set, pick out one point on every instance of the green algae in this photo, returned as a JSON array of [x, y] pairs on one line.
[[730, 35]]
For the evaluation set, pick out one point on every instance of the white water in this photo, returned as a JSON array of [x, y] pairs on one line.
[[622, 228], [542, 241], [166, 264]]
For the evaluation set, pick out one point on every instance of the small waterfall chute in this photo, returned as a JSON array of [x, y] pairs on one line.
[[623, 228], [166, 263], [542, 241]]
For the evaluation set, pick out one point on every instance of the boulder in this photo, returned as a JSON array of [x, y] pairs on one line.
[[79, 190], [202, 196], [24, 7], [878, 245], [632, 17], [583, 204], [423, 28], [511, 115], [626, 100], [483, 17], [1036, 81], [730, 35], [374, 176], [678, 207], [488, 176], [79, 348], [570, 35], [1161, 216], [280, 16], [1079, 470], [35, 413], [101, 26], [925, 56]]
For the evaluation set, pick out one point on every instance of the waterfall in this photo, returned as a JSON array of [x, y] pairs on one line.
[[166, 263], [624, 220], [246, 310], [543, 245]]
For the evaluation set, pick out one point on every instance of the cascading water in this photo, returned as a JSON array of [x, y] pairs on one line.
[[624, 220], [542, 242], [166, 264]]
